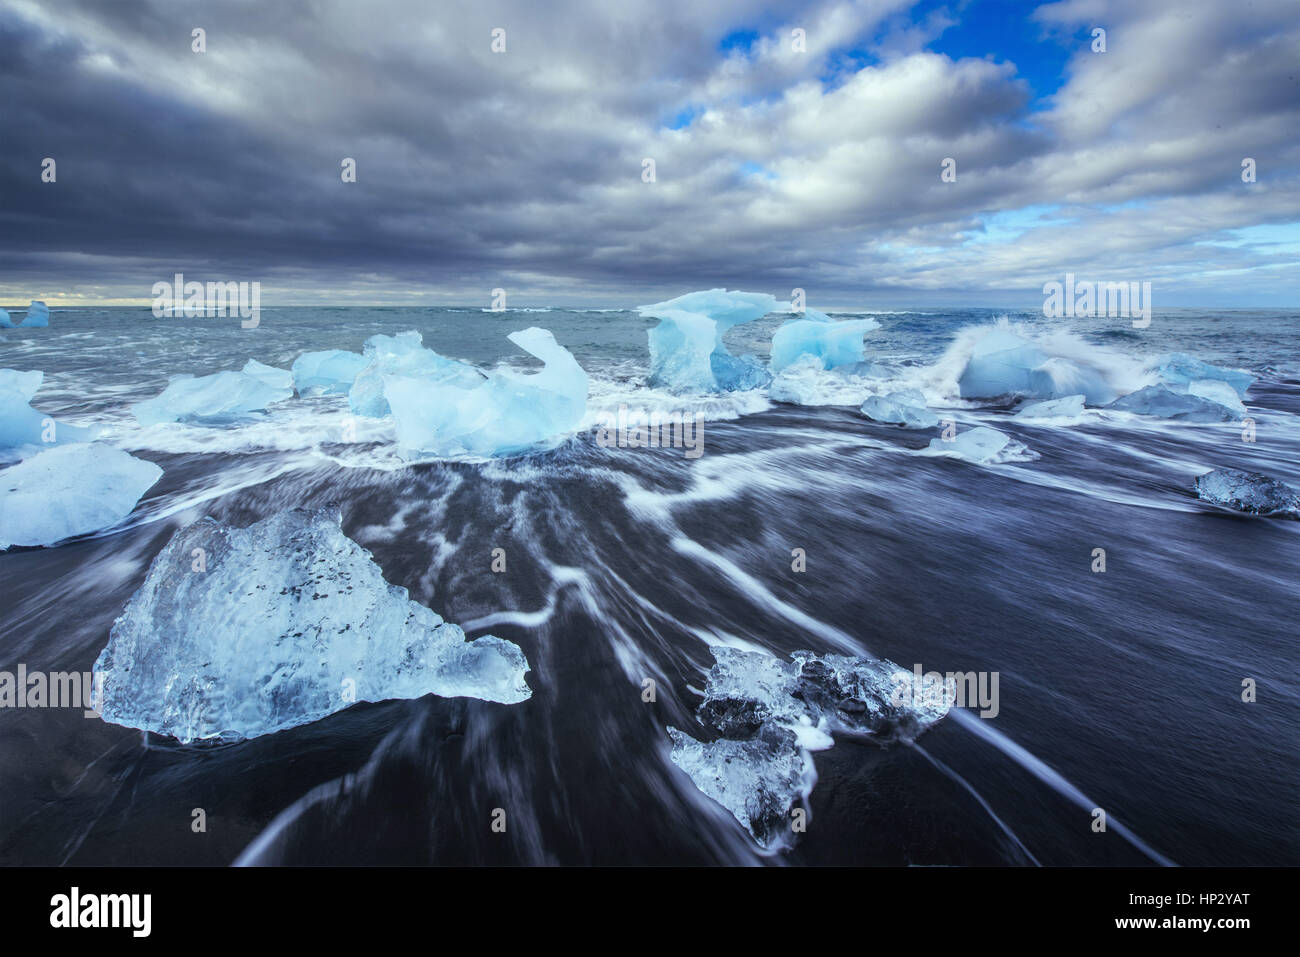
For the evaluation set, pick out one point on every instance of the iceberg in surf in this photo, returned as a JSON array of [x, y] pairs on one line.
[[833, 343], [1069, 407], [1248, 492], [212, 397], [288, 621], [1156, 400], [980, 444], [500, 414], [906, 408], [21, 425], [1002, 363], [1178, 369], [331, 370], [765, 715], [38, 317], [686, 350], [271, 376], [402, 355], [70, 490]]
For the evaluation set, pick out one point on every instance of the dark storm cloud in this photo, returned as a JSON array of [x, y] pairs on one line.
[[523, 169]]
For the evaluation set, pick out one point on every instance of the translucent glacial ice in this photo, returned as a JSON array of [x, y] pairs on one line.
[[833, 343], [211, 397], [765, 715], [500, 414], [1067, 407], [21, 425], [330, 370], [980, 444], [38, 316], [288, 621], [70, 490], [906, 408], [402, 355], [1157, 400], [1248, 492], [1178, 368], [271, 376], [1003, 363], [686, 350]]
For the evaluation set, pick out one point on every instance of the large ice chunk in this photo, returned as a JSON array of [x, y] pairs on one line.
[[1156, 400], [504, 413], [1003, 363], [402, 355], [1248, 492], [273, 377], [5, 321], [289, 621], [222, 395], [1178, 368], [330, 370], [686, 350], [70, 490], [768, 714], [38, 316], [834, 343], [21, 425], [906, 408]]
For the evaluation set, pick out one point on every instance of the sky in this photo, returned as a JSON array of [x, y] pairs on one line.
[[794, 145]]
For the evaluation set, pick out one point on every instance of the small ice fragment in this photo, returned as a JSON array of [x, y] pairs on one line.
[[980, 444], [1248, 492]]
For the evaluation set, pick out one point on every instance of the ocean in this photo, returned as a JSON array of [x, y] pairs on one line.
[[1118, 690]]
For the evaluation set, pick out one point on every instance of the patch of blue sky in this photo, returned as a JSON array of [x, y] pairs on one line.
[[1006, 31], [750, 168], [1264, 238], [1005, 225]]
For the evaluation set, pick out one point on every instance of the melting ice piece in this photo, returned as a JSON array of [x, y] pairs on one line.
[[5, 321], [834, 343], [38, 316], [980, 444], [331, 370], [768, 714], [210, 397], [290, 621], [1217, 390], [1248, 492], [21, 425], [686, 350], [271, 376], [402, 355], [70, 490], [1178, 369], [1159, 401], [1003, 363], [906, 408], [504, 413], [1069, 407]]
